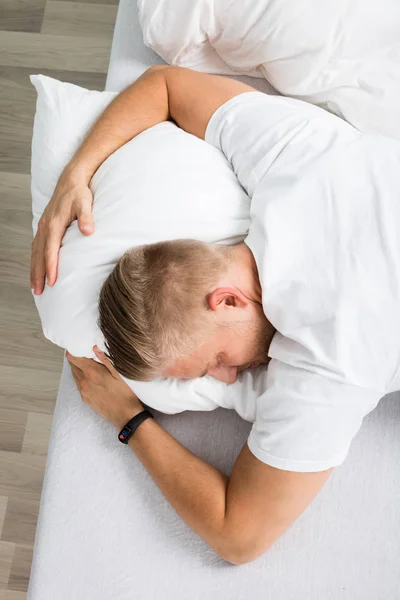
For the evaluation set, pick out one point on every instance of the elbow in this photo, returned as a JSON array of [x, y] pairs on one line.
[[232, 559], [156, 68], [240, 545], [238, 554], [237, 560], [228, 552], [242, 559]]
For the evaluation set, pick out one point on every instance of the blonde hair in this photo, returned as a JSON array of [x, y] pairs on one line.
[[153, 307]]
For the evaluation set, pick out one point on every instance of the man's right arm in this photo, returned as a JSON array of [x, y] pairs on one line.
[[162, 93]]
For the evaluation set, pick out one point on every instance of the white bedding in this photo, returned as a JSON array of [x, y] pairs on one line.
[[343, 56], [126, 198], [105, 532]]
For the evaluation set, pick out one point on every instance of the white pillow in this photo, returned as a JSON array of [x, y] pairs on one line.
[[163, 184], [341, 55]]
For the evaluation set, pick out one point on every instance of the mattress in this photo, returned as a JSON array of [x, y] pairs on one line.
[[106, 532]]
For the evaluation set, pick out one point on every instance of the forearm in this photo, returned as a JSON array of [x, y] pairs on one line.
[[196, 489], [139, 107], [166, 92]]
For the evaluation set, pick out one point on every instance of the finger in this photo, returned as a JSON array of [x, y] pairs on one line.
[[79, 378], [69, 356], [79, 362], [38, 273], [106, 362], [31, 269], [52, 253], [38, 266], [85, 220], [77, 374], [75, 379]]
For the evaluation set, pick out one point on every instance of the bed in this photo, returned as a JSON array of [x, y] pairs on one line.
[[106, 532]]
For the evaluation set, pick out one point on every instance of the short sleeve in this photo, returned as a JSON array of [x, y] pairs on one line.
[[305, 422], [256, 131]]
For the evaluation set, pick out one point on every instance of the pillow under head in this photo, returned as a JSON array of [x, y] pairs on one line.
[[164, 184]]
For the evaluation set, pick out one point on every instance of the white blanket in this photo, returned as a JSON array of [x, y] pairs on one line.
[[343, 56]]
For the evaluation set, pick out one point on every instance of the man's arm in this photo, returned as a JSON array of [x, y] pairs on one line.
[[162, 93], [239, 517]]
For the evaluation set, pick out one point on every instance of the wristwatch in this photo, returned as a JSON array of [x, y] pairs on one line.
[[131, 426]]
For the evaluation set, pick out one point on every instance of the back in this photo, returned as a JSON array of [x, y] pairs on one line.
[[325, 233]]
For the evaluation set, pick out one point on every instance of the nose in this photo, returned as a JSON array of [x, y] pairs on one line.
[[223, 373]]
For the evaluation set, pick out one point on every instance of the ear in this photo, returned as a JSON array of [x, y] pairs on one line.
[[227, 297]]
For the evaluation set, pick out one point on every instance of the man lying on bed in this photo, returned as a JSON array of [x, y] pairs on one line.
[[186, 308]]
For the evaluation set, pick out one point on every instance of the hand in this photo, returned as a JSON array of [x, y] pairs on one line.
[[103, 389], [72, 199]]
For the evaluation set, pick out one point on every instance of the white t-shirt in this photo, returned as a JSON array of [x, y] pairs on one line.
[[325, 235]]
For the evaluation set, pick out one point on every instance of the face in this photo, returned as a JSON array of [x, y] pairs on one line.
[[235, 346]]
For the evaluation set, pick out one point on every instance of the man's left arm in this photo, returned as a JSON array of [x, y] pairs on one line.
[[239, 517]]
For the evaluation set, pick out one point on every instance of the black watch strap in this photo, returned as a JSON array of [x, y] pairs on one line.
[[131, 426]]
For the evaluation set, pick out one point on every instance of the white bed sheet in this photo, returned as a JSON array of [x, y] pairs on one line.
[[106, 532]]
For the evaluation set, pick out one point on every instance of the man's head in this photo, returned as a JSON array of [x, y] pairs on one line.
[[184, 308]]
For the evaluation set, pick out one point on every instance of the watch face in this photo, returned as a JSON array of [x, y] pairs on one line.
[[124, 433]]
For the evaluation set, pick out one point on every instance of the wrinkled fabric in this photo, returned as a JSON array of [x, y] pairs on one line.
[[325, 234], [343, 56]]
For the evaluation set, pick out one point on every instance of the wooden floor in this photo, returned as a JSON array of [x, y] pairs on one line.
[[70, 41]]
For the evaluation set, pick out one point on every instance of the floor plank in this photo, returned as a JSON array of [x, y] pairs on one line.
[[16, 225], [22, 15], [3, 509], [15, 189], [18, 77], [32, 350], [7, 550], [69, 41], [21, 475], [17, 109], [113, 2], [30, 389], [54, 52], [20, 520], [12, 595], [12, 429], [76, 18], [37, 433], [20, 568]]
